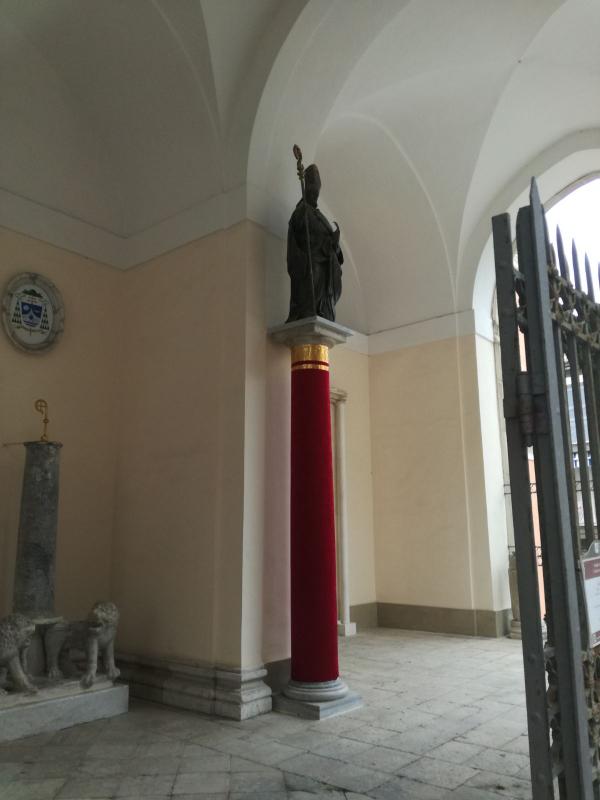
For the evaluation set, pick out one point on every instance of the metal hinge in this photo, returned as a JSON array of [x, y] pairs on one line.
[[525, 408], [528, 408]]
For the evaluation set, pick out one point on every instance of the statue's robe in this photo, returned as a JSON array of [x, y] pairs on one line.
[[327, 258]]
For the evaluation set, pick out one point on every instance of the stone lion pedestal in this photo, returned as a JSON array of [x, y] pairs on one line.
[[41, 689]]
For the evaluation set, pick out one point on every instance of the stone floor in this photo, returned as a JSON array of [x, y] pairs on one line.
[[443, 719]]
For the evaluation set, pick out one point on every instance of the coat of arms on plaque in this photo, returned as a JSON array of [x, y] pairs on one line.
[[32, 312]]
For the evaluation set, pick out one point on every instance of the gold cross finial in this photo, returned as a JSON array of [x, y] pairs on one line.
[[42, 407]]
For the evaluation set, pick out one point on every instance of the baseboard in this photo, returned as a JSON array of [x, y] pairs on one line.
[[220, 691], [365, 615], [468, 622]]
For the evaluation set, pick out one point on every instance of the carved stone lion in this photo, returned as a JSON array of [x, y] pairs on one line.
[[16, 631], [93, 636]]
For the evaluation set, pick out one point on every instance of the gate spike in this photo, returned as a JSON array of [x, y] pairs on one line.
[[588, 278], [562, 259], [576, 270]]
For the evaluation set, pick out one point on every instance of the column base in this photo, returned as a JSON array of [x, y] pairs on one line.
[[241, 694], [515, 629], [316, 700], [346, 628]]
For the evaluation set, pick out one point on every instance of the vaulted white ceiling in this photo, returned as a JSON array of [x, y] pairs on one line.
[[132, 127]]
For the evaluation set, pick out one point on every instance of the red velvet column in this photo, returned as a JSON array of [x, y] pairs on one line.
[[313, 568]]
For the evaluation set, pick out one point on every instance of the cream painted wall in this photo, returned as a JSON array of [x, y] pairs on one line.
[[76, 378], [177, 566], [350, 372], [434, 543], [276, 583], [174, 410]]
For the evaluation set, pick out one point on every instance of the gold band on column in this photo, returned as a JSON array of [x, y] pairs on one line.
[[310, 356]]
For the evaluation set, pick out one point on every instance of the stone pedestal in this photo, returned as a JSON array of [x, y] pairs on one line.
[[36, 548], [515, 623], [315, 689], [58, 706]]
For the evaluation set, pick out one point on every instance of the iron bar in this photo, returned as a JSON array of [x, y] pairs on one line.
[[553, 492], [588, 519], [527, 580]]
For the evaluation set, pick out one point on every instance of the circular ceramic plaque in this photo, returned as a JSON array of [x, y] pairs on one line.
[[32, 312]]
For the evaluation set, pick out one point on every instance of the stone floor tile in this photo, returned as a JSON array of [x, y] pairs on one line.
[[406, 789], [101, 768], [354, 796], [455, 752], [145, 786], [47, 769], [329, 770], [193, 749], [62, 752], [412, 713], [499, 761], [337, 725], [492, 734], [438, 773], [302, 783], [369, 734], [161, 765], [311, 765], [210, 796], [18, 753], [32, 790], [384, 759], [411, 717], [263, 751], [343, 749], [258, 796], [257, 782], [503, 785], [308, 739], [448, 709], [518, 745], [201, 783], [418, 741], [238, 764], [77, 788], [112, 751], [166, 748], [212, 762], [471, 793], [357, 779], [9, 770]]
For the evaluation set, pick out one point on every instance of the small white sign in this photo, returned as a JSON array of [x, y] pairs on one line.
[[591, 582]]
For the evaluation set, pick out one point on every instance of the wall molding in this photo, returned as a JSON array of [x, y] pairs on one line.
[[427, 331], [217, 213], [220, 691], [68, 232]]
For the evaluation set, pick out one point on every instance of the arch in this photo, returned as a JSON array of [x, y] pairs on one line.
[[310, 70], [568, 162]]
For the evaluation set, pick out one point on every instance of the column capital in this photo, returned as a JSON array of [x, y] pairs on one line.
[[312, 330]]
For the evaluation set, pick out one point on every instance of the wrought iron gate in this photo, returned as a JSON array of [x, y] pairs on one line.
[[550, 345]]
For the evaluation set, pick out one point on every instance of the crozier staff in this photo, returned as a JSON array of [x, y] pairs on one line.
[[314, 256]]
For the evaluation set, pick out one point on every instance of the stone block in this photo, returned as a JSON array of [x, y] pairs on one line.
[[59, 706]]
